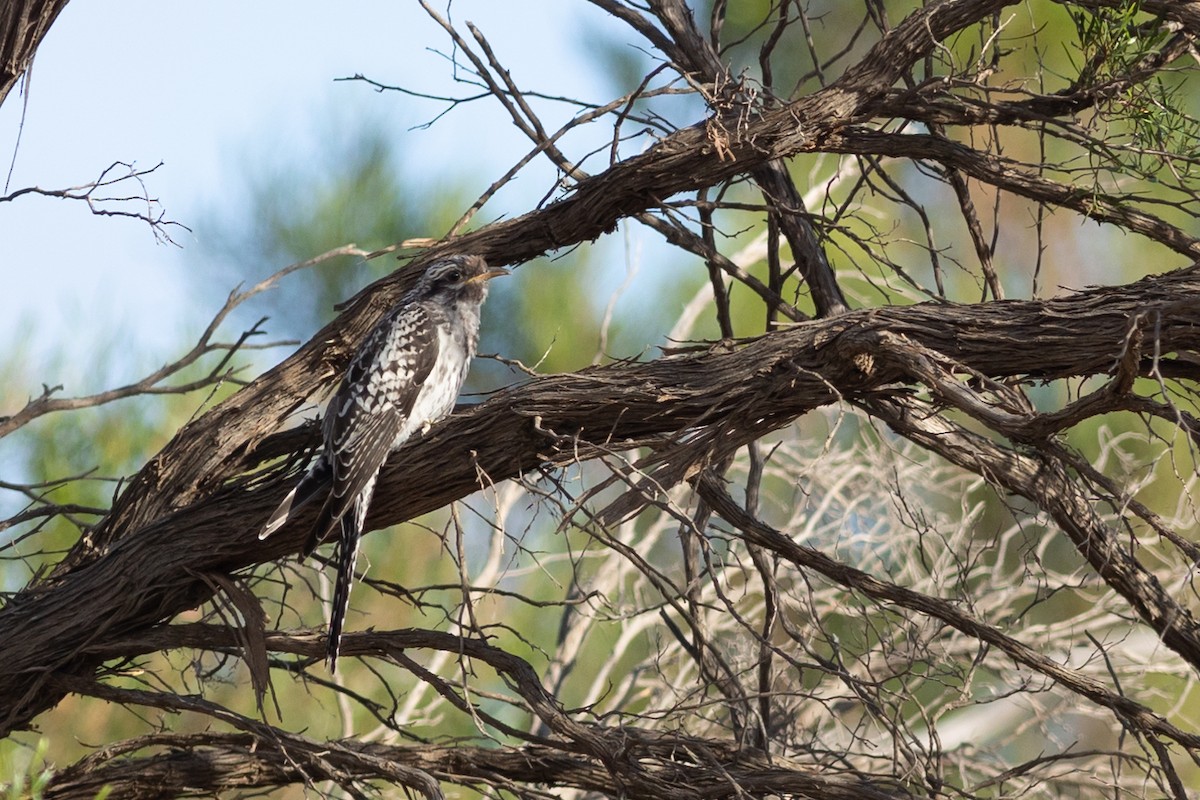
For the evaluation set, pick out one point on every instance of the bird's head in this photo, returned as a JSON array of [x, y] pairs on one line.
[[456, 279]]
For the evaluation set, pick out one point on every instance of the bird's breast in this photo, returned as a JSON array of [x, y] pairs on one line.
[[440, 389]]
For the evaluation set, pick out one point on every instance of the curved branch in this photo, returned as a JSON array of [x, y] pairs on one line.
[[1006, 174], [114, 175], [214, 762], [721, 398], [195, 462]]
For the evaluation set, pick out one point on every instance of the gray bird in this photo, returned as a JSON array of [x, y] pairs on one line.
[[405, 376]]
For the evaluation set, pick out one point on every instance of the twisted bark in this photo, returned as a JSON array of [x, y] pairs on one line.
[[729, 396]]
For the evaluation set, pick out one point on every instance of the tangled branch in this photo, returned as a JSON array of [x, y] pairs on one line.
[[684, 582]]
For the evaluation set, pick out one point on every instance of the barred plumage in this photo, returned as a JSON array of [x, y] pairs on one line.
[[406, 375]]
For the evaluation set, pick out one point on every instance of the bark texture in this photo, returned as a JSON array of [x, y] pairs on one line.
[[755, 616], [23, 25], [727, 397]]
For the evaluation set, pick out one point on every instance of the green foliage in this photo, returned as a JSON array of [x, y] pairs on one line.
[[1155, 113], [29, 781]]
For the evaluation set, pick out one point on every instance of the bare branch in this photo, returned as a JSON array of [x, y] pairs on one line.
[[965, 532], [1010, 176], [116, 174], [1141, 717], [152, 384], [725, 398]]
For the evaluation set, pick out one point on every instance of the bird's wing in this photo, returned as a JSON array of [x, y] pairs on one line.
[[318, 476], [371, 406]]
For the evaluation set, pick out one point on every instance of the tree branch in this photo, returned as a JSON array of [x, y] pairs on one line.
[[195, 462], [23, 25], [1007, 174], [215, 762], [114, 206], [755, 531], [721, 399]]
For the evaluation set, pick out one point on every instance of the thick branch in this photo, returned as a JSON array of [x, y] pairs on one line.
[[217, 762], [693, 52], [204, 454], [730, 396], [646, 764], [23, 25]]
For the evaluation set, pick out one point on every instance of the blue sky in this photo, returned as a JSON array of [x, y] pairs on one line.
[[202, 87]]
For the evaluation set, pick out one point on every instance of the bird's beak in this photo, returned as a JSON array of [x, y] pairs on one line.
[[493, 272]]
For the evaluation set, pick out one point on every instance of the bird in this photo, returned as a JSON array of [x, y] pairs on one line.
[[405, 376]]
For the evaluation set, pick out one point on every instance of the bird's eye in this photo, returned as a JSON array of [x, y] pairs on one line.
[[454, 276]]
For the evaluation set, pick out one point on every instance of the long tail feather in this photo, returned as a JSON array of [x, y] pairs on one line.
[[347, 555]]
